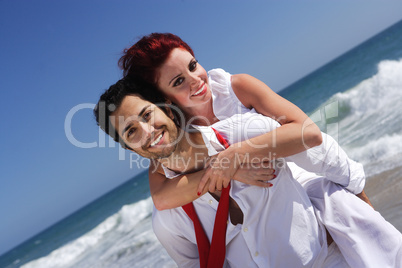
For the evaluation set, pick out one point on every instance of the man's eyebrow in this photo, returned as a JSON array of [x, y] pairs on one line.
[[125, 129], [174, 78], [139, 115]]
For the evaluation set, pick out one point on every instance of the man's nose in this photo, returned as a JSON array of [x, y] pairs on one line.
[[147, 129]]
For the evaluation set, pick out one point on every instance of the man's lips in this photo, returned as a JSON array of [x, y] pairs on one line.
[[157, 140]]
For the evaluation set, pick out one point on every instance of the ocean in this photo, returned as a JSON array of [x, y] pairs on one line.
[[354, 98]]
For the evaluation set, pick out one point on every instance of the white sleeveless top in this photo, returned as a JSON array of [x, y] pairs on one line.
[[328, 159]]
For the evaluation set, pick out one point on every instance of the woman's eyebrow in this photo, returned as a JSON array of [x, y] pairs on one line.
[[174, 78]]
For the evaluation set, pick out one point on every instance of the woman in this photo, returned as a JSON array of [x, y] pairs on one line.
[[165, 62], [147, 61]]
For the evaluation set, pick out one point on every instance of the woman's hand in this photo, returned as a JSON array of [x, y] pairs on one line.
[[258, 174], [222, 168], [225, 166]]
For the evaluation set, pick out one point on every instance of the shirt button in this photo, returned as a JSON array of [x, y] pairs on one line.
[[256, 254], [245, 229], [210, 201]]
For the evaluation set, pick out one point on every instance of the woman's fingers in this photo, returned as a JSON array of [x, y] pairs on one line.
[[204, 181], [270, 174], [263, 184], [214, 184], [226, 183], [255, 175]]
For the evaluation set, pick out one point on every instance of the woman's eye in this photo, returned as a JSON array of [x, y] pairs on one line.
[[147, 115], [178, 81], [193, 65]]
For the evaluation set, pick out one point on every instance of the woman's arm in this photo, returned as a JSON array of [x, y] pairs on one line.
[[172, 193], [176, 192], [305, 136], [296, 134]]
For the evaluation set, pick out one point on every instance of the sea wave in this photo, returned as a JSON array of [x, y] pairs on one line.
[[113, 242], [368, 118]]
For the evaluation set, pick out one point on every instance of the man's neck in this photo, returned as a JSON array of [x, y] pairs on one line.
[[190, 153], [202, 115]]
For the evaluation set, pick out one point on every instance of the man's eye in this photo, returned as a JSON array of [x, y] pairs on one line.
[[178, 81], [130, 132], [193, 65]]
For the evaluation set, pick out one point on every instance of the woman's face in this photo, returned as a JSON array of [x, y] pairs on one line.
[[184, 81]]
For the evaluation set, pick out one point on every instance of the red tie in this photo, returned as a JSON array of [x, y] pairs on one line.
[[212, 256]]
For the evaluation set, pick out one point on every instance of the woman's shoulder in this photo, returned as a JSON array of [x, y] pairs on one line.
[[225, 101], [219, 79]]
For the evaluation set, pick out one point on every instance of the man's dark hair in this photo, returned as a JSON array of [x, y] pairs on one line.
[[112, 98]]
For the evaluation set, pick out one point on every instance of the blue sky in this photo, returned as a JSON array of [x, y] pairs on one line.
[[57, 57]]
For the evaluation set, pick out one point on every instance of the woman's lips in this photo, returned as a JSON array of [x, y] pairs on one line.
[[201, 91]]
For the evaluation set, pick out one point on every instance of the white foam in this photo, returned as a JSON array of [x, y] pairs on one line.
[[370, 117], [377, 92], [104, 235], [379, 149]]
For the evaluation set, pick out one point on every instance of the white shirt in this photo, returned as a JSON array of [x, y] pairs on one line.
[[279, 228], [339, 210]]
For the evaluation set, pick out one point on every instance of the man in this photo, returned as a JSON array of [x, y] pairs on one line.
[[266, 227]]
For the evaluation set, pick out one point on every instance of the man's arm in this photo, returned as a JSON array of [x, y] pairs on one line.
[[297, 132]]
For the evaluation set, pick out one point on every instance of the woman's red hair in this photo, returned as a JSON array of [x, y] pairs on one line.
[[142, 60]]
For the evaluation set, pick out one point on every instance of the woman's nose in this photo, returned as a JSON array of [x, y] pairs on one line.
[[194, 80]]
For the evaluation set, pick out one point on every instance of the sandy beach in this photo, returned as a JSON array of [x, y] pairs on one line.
[[384, 191]]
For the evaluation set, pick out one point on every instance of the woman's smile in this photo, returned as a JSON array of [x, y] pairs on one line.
[[184, 81], [201, 91]]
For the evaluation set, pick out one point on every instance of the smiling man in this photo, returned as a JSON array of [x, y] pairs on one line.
[[267, 227], [131, 120]]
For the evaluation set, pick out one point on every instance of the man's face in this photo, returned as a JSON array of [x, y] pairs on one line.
[[145, 128]]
